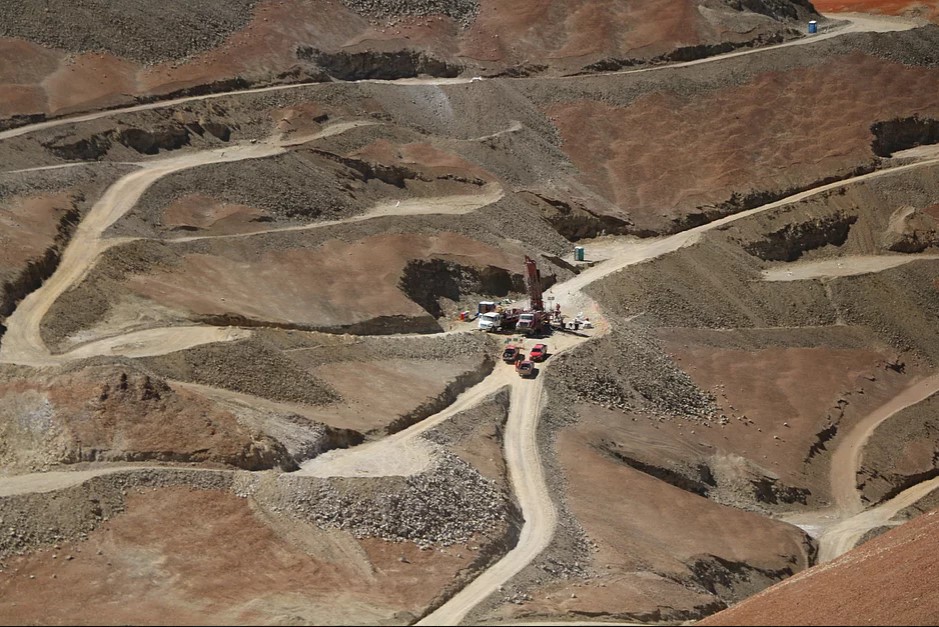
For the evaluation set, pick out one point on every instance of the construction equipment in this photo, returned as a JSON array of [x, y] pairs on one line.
[[533, 320], [485, 306], [498, 320], [536, 302]]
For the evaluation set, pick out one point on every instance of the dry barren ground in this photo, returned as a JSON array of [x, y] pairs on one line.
[[233, 288]]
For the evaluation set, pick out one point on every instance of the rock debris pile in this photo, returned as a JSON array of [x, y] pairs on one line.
[[446, 505], [462, 11], [149, 32]]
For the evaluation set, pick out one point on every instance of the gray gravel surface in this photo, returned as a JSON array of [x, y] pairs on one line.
[[462, 11], [447, 504], [312, 349], [32, 521], [148, 32], [627, 370], [248, 366]]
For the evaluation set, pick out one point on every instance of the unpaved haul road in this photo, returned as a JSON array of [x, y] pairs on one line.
[[23, 343], [846, 459], [842, 536], [841, 266], [521, 449], [436, 205], [527, 475], [839, 527], [528, 481]]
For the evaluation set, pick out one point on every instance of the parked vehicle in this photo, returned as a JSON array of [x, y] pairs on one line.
[[525, 368], [539, 352], [511, 354], [531, 322]]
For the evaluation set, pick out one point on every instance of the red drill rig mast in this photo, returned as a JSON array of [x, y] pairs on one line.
[[534, 285]]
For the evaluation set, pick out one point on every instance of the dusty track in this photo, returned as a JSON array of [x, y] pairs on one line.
[[521, 449], [439, 205], [527, 473], [841, 266], [23, 344]]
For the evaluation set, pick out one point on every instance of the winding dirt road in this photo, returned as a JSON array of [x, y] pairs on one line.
[[521, 449], [840, 266], [23, 343]]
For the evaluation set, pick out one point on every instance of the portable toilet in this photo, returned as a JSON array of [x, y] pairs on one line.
[[578, 253], [813, 27]]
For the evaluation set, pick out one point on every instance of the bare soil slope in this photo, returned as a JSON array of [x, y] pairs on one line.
[[209, 44], [887, 580], [276, 276]]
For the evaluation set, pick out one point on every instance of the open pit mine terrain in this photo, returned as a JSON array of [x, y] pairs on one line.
[[237, 236]]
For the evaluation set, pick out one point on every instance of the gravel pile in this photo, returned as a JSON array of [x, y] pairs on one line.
[[248, 366], [446, 505], [628, 371], [149, 32], [31, 521], [94, 178], [462, 11], [327, 348], [295, 186], [917, 47]]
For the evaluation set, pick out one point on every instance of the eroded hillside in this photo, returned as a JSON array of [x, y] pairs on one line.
[[238, 310]]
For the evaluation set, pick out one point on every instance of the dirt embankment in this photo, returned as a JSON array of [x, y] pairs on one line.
[[702, 119], [332, 182], [40, 212], [735, 345], [887, 580], [900, 454], [120, 412], [200, 573]]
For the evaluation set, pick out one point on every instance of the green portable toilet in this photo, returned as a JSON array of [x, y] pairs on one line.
[[578, 253]]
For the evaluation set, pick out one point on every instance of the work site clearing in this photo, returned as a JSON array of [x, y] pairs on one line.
[[468, 312]]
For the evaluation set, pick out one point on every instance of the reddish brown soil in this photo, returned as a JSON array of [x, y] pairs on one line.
[[90, 81], [107, 413], [28, 227], [563, 35], [664, 155], [780, 399], [338, 283], [648, 533], [238, 570], [374, 393], [925, 8], [198, 211], [424, 158], [580, 29], [887, 581]]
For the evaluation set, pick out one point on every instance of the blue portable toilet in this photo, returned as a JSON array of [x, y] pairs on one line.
[[578, 253], [813, 27]]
